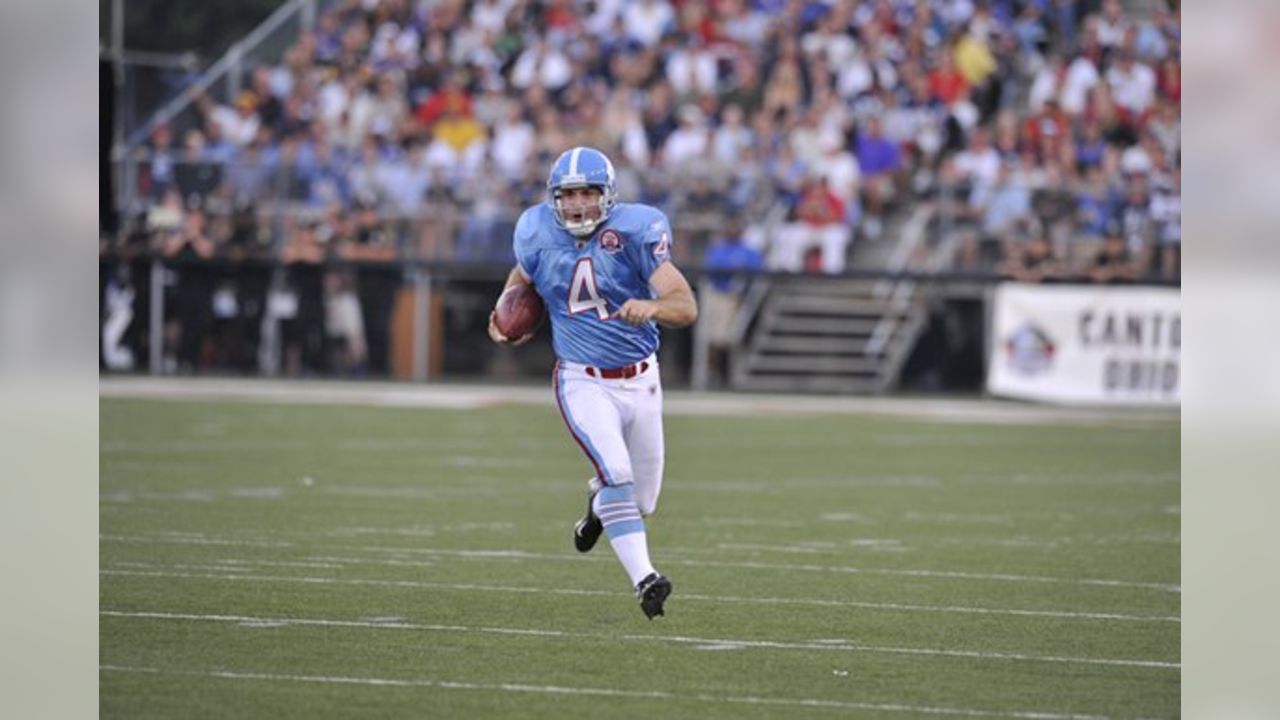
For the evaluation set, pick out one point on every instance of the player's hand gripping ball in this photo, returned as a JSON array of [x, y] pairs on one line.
[[517, 315]]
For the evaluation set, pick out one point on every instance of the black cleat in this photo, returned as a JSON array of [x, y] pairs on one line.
[[588, 529], [653, 592]]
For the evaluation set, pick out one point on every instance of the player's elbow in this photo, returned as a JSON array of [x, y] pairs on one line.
[[687, 314]]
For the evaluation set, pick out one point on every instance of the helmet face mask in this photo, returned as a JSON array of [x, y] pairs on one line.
[[581, 167]]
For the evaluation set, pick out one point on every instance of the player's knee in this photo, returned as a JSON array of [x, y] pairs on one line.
[[619, 475], [646, 504]]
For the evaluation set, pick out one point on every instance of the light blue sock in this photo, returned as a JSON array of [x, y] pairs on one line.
[[615, 505]]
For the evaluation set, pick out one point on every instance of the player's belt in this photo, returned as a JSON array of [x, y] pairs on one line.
[[622, 373]]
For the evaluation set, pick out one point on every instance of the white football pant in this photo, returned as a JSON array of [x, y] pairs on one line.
[[618, 424]]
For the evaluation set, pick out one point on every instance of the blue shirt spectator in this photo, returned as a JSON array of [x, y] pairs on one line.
[[877, 154], [729, 254]]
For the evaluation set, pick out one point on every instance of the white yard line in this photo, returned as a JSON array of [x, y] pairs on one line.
[[840, 645], [145, 570], [463, 397], [750, 565], [602, 692], [512, 554]]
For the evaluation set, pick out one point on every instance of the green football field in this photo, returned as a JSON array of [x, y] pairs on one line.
[[308, 561]]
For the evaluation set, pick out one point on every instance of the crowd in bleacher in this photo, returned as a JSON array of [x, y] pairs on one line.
[[1045, 132], [1059, 119]]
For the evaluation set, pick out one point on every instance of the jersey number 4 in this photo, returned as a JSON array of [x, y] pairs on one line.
[[583, 295]]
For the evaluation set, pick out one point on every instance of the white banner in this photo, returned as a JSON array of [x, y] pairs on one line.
[[1107, 345]]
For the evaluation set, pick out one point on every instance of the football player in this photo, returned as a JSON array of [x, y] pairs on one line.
[[604, 272]]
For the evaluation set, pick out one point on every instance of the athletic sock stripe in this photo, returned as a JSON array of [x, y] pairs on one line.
[[606, 507], [619, 518]]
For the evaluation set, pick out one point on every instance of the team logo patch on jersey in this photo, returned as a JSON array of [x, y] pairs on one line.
[[663, 248], [610, 241]]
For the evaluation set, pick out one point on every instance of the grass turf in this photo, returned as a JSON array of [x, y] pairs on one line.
[[302, 561]]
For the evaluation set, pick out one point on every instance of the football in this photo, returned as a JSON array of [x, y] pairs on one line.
[[519, 311]]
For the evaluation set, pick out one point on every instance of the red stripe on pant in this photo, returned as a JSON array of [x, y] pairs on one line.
[[564, 415]]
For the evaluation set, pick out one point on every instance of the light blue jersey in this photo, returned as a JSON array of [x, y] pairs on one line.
[[583, 281]]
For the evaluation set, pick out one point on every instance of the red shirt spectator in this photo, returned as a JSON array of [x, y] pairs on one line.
[[452, 96], [1050, 122], [945, 81], [819, 206], [1169, 80], [560, 16]]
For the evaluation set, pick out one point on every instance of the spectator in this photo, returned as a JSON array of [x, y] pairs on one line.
[[728, 262], [1114, 263], [344, 325], [1169, 81], [879, 160], [946, 82], [453, 96], [542, 65], [187, 327], [979, 164], [839, 168], [160, 164], [248, 176], [818, 227], [1079, 79], [1166, 213], [691, 69], [197, 174], [238, 124], [689, 143], [373, 247], [303, 333], [513, 143], [743, 87], [1135, 221], [1031, 261], [376, 108], [1133, 87], [648, 20]]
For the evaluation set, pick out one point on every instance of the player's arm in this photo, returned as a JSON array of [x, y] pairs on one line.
[[674, 307], [515, 277]]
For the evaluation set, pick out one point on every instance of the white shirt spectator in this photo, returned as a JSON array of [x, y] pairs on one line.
[[980, 166], [404, 181], [544, 65], [858, 76], [747, 28], [646, 20], [601, 21], [955, 12], [490, 15], [837, 48], [513, 141], [729, 141], [440, 155], [692, 70], [380, 114], [238, 128], [1112, 25], [395, 46], [1044, 87], [1135, 161], [841, 170], [689, 141], [332, 101], [1081, 77], [1166, 211], [1133, 87]]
